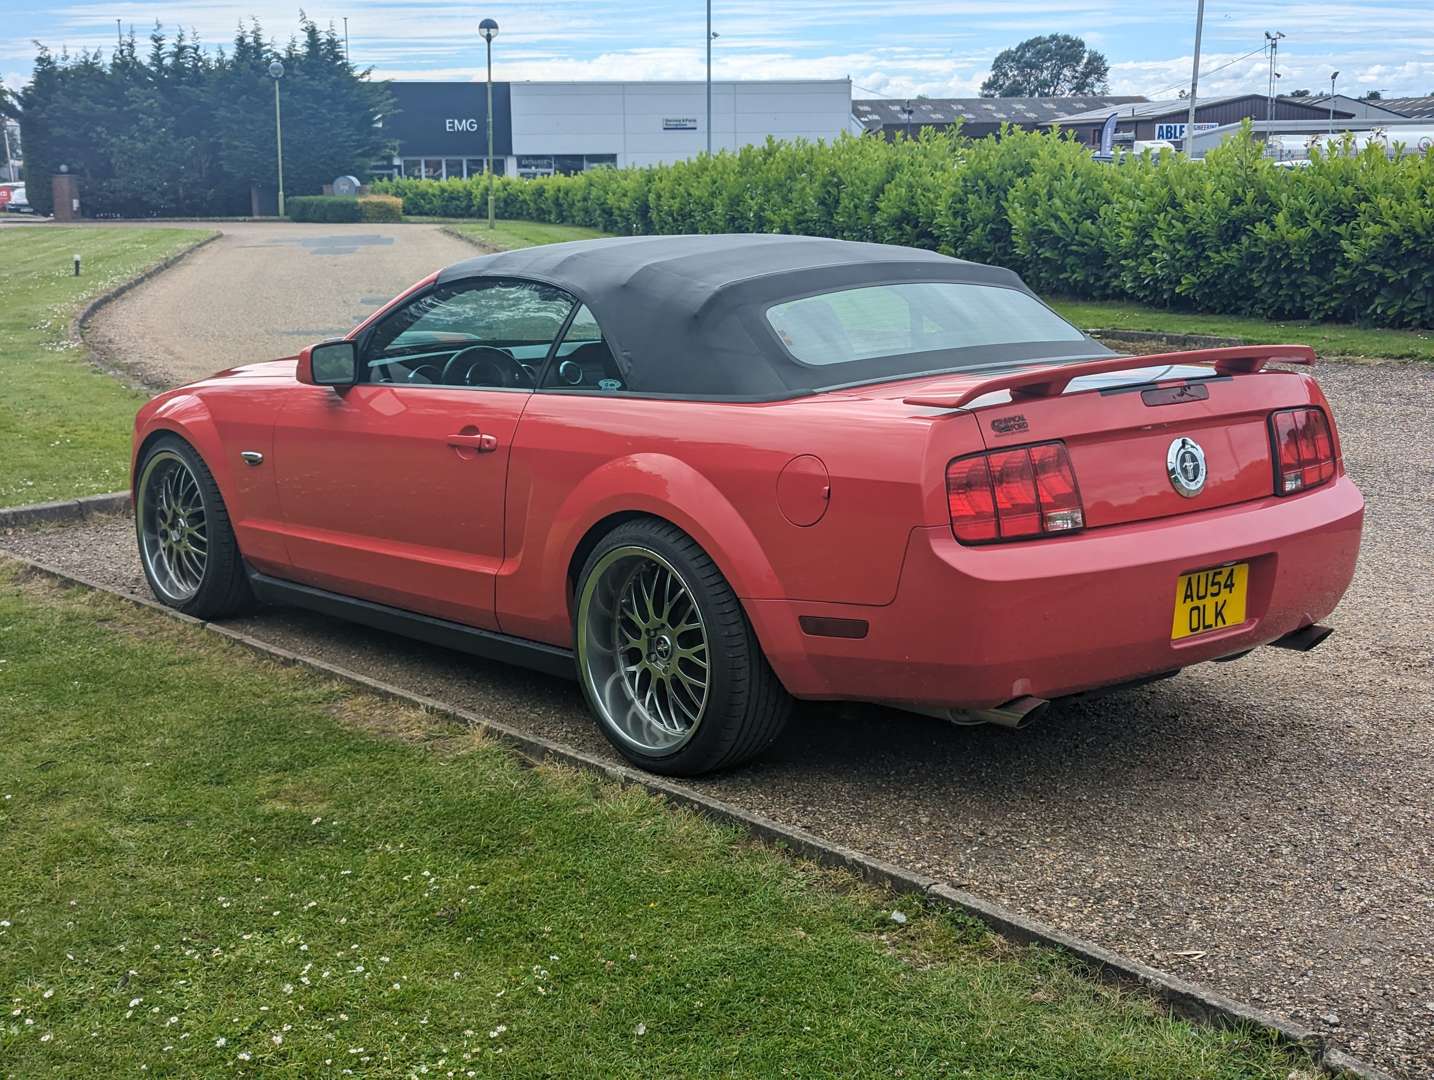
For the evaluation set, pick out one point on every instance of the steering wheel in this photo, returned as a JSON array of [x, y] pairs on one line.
[[484, 365], [424, 373]]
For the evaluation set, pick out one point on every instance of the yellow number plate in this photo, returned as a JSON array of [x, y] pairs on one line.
[[1209, 600]]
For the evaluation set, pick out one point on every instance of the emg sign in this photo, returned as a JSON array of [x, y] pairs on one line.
[[461, 123]]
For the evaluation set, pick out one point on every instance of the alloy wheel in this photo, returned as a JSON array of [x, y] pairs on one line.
[[174, 537], [643, 650]]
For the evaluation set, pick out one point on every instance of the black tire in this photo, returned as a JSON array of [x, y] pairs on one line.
[[214, 588], [744, 706]]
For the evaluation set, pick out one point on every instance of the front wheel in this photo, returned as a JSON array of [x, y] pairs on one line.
[[666, 657], [186, 544]]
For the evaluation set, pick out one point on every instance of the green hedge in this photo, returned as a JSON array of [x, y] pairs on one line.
[[1347, 238], [381, 208], [322, 208]]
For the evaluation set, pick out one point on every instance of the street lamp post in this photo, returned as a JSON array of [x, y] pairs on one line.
[[276, 72], [709, 78], [489, 29], [1333, 75], [1194, 80]]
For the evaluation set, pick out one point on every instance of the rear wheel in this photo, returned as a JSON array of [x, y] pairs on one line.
[[186, 544], [666, 657]]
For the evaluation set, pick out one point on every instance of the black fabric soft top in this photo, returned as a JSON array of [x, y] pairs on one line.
[[685, 316]]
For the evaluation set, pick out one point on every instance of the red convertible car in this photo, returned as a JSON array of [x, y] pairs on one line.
[[710, 474]]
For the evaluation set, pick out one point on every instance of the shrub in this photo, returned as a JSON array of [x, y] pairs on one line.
[[380, 208], [328, 208], [1347, 237]]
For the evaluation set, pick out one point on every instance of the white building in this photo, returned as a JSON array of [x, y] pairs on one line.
[[540, 128]]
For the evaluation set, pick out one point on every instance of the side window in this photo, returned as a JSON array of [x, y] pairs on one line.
[[480, 333], [583, 360]]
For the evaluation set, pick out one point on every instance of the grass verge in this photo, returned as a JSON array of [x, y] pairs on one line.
[[509, 234], [208, 861], [1327, 339], [64, 425]]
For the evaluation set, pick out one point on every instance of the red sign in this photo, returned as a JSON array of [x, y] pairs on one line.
[[5, 196]]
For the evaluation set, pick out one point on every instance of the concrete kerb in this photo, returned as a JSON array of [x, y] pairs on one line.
[[1183, 999], [109, 296], [64, 510], [486, 249]]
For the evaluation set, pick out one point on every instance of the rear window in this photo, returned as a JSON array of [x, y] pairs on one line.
[[906, 318]]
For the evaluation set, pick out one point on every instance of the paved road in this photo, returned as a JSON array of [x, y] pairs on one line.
[[1264, 827], [261, 291]]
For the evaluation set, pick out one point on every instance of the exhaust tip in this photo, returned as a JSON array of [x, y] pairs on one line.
[[1015, 714]]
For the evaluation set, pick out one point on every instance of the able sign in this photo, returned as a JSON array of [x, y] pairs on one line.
[[1176, 132]]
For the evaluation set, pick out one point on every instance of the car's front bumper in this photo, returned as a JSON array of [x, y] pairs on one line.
[[974, 627]]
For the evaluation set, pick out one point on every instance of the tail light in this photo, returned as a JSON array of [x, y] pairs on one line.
[[1013, 494], [1303, 449]]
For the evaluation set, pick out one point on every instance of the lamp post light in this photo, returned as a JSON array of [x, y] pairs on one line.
[[1333, 75], [276, 72], [489, 29], [1194, 81]]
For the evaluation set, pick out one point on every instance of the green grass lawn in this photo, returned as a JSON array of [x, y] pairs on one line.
[[506, 235], [210, 862], [65, 426], [1327, 339]]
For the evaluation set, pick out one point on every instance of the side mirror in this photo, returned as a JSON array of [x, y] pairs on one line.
[[330, 363]]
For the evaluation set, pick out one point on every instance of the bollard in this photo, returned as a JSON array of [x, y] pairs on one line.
[[77, 266]]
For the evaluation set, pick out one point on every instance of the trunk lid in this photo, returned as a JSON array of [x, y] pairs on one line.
[[1119, 418]]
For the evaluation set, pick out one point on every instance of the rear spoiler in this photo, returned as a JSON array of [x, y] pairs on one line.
[[1052, 381]]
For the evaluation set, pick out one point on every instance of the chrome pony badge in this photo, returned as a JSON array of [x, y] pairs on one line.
[[1185, 464]]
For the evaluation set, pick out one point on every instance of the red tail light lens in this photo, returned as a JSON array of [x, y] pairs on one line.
[[973, 504], [1303, 449], [1013, 494]]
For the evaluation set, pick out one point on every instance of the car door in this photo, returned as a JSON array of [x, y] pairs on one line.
[[393, 489]]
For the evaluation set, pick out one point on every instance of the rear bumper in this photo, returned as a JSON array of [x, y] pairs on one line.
[[973, 627]]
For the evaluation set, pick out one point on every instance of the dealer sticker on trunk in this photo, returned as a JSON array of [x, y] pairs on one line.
[[1209, 600]]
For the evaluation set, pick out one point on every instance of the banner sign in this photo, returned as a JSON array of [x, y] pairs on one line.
[[1107, 135]]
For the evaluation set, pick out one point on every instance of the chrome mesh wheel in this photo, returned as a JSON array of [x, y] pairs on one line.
[[173, 529], [643, 650]]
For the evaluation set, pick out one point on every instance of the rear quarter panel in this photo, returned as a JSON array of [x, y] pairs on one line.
[[712, 469]]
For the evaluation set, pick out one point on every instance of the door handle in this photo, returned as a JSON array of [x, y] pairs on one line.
[[481, 442]]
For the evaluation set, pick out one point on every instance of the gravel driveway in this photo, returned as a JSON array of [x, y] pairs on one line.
[[261, 291], [1264, 827]]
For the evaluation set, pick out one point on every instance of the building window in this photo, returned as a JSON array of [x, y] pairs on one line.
[[530, 166], [475, 166], [453, 168]]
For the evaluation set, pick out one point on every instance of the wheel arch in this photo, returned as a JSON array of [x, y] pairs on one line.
[[186, 417], [671, 490]]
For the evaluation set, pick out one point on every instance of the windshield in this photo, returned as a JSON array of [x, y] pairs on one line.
[[911, 318]]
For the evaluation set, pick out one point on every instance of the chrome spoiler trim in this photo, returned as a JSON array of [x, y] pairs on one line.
[[1052, 381]]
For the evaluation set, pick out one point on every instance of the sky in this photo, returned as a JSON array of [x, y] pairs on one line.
[[888, 48]]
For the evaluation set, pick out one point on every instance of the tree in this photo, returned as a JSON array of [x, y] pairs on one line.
[[1373, 95], [1051, 66], [185, 131], [1298, 93]]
